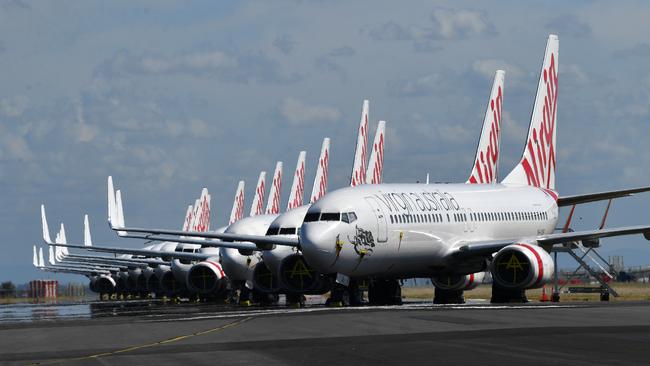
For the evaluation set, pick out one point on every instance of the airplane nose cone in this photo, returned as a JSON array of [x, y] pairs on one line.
[[236, 265], [318, 243]]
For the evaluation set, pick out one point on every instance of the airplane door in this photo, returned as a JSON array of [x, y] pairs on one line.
[[382, 230]]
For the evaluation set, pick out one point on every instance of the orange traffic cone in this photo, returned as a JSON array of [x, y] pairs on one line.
[[544, 297]]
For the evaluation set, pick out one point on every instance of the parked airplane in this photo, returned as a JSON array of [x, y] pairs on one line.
[[415, 230]]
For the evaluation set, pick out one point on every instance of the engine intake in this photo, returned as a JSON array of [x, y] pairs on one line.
[[295, 275], [169, 283], [153, 283], [522, 266], [458, 282], [264, 280], [206, 277], [105, 285]]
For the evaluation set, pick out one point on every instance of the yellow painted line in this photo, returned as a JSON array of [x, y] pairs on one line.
[[148, 345]]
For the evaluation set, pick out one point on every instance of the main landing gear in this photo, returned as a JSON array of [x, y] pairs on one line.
[[501, 295], [443, 296], [384, 292]]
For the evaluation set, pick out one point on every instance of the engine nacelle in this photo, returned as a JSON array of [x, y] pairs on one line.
[[153, 283], [132, 279], [458, 282], [105, 284], [522, 266], [93, 281], [206, 277], [169, 284], [295, 275], [264, 280]]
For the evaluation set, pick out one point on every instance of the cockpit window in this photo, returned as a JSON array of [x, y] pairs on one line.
[[273, 230], [288, 231], [348, 217], [330, 216], [312, 217]]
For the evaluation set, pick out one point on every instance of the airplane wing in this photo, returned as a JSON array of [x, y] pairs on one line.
[[74, 270], [600, 196], [227, 240], [142, 252], [488, 247], [201, 241], [116, 222]]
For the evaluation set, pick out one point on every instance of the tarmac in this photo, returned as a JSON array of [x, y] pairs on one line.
[[142, 332]]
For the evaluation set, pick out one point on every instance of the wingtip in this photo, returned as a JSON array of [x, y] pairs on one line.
[[46, 230]]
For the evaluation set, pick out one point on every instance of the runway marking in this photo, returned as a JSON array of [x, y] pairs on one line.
[[148, 345], [254, 313]]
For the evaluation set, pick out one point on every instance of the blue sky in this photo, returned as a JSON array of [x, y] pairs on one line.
[[169, 97]]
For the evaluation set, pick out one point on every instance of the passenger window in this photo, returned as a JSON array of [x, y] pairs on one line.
[[391, 219]]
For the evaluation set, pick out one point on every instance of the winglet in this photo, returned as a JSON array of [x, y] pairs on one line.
[[35, 260], [111, 203], [51, 257], [120, 212], [41, 262], [320, 180], [46, 230], [237, 212], [258, 200], [87, 238], [273, 203], [376, 163]]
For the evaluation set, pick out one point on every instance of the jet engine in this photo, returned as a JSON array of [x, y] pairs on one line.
[[458, 282], [264, 280], [522, 266], [153, 283], [206, 277], [169, 284], [295, 275], [105, 284]]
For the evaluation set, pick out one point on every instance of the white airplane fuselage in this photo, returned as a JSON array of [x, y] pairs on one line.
[[237, 266], [406, 230]]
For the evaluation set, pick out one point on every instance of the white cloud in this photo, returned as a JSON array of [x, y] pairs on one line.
[[460, 24], [13, 106], [83, 131], [296, 112], [446, 24], [487, 67]]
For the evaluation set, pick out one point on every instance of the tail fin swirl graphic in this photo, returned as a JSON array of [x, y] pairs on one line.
[[537, 165], [359, 165], [258, 200], [297, 194], [273, 204], [376, 163], [237, 212], [486, 162], [320, 180]]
